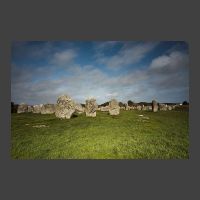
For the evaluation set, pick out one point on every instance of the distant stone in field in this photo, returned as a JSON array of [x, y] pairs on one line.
[[91, 107], [154, 106], [104, 108], [40, 126], [22, 108], [162, 107], [169, 107], [48, 109], [30, 108], [65, 107], [37, 108], [122, 108], [114, 108], [99, 109], [79, 108], [139, 107], [144, 107], [126, 106]]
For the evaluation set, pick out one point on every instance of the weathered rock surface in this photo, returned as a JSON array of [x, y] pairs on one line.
[[162, 107], [139, 107], [104, 108], [149, 107], [114, 108], [22, 108], [65, 107], [90, 108], [30, 108], [48, 109], [37, 108], [169, 107], [144, 107], [154, 106], [126, 106], [79, 108]]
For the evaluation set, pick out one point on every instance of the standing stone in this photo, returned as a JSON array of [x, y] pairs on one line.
[[30, 109], [144, 107], [48, 109], [154, 106], [139, 107], [90, 108], [162, 107], [22, 108], [126, 106], [114, 108], [37, 108], [65, 107], [79, 108], [149, 107], [169, 107]]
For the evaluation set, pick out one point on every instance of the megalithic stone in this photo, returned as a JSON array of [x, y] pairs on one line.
[[154, 106], [65, 107], [114, 108], [37, 108], [91, 107]]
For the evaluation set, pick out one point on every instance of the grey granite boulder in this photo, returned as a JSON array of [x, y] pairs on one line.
[[91, 107], [37, 108], [114, 108], [65, 107], [154, 106]]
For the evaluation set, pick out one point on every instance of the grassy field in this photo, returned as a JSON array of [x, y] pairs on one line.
[[161, 135]]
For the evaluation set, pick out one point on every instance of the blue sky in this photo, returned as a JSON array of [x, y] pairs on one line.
[[125, 70]]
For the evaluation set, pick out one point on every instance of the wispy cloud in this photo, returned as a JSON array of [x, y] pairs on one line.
[[128, 54], [63, 57]]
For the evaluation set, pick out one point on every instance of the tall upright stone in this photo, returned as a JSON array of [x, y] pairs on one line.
[[65, 107], [30, 109], [114, 108], [91, 107], [154, 106]]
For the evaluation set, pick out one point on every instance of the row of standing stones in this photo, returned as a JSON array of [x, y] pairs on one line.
[[66, 107]]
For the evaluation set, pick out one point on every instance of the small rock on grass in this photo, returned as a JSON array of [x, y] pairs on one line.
[[40, 126]]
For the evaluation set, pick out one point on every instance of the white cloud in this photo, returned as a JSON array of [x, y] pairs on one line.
[[172, 61], [128, 54], [64, 57]]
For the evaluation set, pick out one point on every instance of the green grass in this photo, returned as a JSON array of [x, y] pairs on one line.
[[165, 135]]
